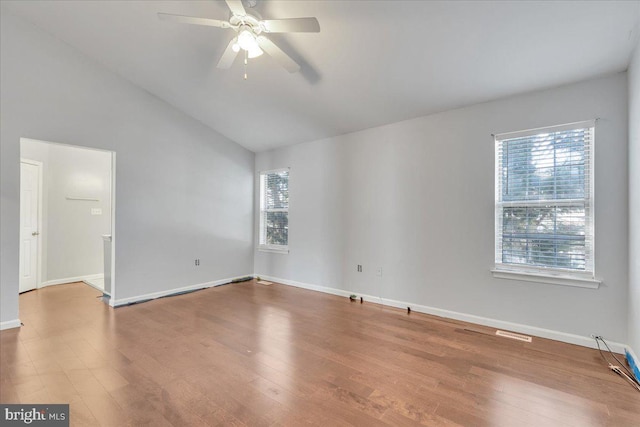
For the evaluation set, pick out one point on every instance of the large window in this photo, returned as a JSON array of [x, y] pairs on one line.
[[544, 201], [274, 210]]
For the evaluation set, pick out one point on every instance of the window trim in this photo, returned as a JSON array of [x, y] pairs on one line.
[[541, 274], [280, 249], [547, 277]]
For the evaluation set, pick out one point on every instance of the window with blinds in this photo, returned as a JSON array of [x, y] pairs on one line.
[[544, 200], [274, 209]]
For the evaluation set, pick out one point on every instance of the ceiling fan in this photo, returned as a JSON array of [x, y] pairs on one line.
[[251, 32]]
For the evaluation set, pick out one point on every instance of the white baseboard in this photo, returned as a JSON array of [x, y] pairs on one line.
[[10, 324], [89, 282], [584, 341], [70, 280], [125, 301]]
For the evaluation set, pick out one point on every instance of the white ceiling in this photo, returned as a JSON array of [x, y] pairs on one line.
[[374, 62]]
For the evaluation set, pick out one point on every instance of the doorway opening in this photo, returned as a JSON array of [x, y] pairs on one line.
[[67, 206]]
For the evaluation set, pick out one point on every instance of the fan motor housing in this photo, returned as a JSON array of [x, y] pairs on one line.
[[248, 20]]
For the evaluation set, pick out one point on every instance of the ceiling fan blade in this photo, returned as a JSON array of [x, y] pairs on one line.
[[276, 53], [229, 55], [292, 25], [193, 20], [236, 7]]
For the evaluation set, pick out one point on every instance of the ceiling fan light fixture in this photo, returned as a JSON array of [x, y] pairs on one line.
[[247, 40], [249, 29], [254, 52]]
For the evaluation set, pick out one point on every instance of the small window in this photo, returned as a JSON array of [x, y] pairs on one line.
[[274, 210], [544, 201]]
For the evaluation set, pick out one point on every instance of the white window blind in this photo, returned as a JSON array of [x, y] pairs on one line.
[[274, 209], [544, 200]]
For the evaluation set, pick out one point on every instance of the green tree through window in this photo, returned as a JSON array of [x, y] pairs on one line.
[[274, 209], [543, 199]]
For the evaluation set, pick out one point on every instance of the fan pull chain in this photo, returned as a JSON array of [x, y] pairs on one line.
[[246, 61]]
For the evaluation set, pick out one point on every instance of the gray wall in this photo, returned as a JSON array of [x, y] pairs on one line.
[[183, 191], [417, 199], [634, 202], [70, 235]]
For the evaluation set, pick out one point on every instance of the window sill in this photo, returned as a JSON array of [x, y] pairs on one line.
[[563, 280], [273, 250]]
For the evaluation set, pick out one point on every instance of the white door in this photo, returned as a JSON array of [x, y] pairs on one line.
[[29, 222]]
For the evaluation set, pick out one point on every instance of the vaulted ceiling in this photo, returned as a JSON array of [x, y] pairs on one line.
[[374, 62]]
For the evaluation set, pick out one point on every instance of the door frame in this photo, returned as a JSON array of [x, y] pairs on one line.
[[112, 299], [40, 167], [112, 296]]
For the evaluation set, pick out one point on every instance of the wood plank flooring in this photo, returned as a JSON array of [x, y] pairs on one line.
[[248, 354]]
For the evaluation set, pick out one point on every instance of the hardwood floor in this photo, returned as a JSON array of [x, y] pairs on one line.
[[248, 354]]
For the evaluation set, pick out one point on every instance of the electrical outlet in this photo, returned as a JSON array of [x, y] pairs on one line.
[[197, 262], [359, 268], [379, 271]]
